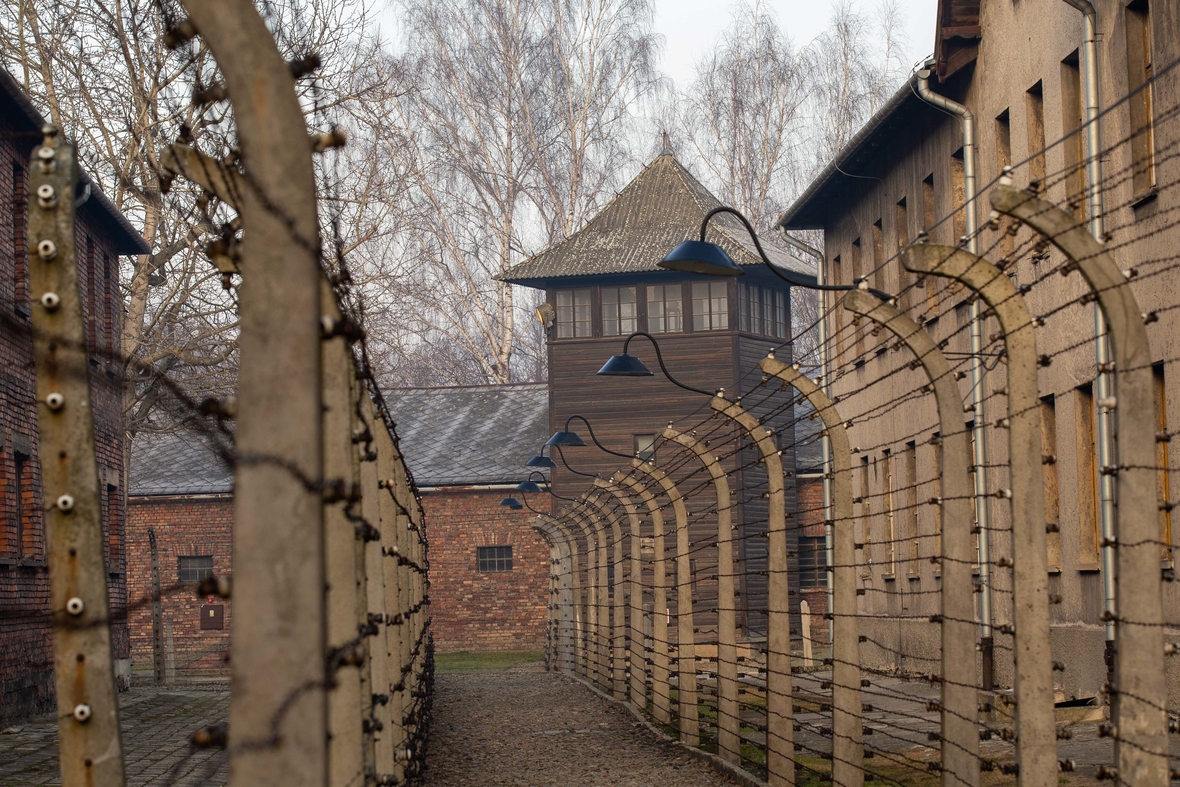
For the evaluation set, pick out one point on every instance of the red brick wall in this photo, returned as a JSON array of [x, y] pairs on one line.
[[26, 656], [185, 526], [810, 497], [476, 611]]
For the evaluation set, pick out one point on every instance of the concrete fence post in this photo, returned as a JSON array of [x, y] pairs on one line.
[[593, 648], [780, 715], [637, 668], [90, 751], [686, 663], [278, 718], [618, 619], [1036, 735], [661, 690], [393, 541], [847, 726], [602, 615], [728, 708], [960, 697], [1141, 741]]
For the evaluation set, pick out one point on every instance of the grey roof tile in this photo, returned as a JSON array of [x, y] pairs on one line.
[[178, 463], [661, 207], [470, 435]]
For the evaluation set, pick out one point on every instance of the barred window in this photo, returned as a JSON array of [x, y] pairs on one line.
[[195, 568], [813, 559], [573, 313], [618, 311], [495, 559], [645, 446], [665, 308], [710, 306]]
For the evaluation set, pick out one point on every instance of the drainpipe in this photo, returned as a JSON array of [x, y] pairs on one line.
[[1104, 384], [821, 280], [977, 396]]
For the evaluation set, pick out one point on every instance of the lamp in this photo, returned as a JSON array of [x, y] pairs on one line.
[[567, 438], [709, 259], [511, 502], [540, 460], [626, 365], [528, 486]]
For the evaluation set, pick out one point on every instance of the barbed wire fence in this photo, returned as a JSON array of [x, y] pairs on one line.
[[901, 696], [331, 659]]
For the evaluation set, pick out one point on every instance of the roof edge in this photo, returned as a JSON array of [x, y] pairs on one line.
[[135, 244], [851, 148]]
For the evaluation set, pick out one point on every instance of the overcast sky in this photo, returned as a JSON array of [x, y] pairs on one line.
[[689, 27]]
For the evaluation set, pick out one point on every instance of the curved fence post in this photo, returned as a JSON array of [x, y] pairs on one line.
[[960, 697], [1036, 734], [592, 528], [728, 708], [1141, 741], [661, 691], [618, 621], [90, 750], [686, 665], [637, 667], [847, 728], [780, 716]]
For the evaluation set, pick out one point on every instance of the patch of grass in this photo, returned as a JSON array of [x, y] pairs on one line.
[[465, 661]]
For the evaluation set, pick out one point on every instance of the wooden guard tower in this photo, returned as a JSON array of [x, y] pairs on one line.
[[603, 284]]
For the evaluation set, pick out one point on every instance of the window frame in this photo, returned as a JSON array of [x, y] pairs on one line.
[[494, 559], [200, 572], [665, 300], [705, 314], [614, 326], [578, 328], [812, 573]]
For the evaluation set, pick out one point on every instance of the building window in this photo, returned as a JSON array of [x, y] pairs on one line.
[[1139, 73], [763, 310], [493, 560], [573, 313], [1087, 476], [665, 308], [1035, 101], [645, 446], [1052, 485], [1072, 119], [813, 560], [194, 568], [710, 306], [618, 311]]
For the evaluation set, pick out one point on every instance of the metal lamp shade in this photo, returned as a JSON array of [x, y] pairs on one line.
[[698, 256], [540, 461], [565, 439], [511, 502], [528, 486], [624, 366]]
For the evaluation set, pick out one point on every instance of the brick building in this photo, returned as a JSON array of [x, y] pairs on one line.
[[904, 175], [103, 234], [182, 491], [489, 570]]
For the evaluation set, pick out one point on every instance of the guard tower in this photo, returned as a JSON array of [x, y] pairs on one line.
[[601, 285]]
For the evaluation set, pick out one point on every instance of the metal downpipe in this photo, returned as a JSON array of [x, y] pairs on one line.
[[977, 395]]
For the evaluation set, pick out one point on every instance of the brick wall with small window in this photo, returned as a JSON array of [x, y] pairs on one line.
[[193, 540], [489, 573]]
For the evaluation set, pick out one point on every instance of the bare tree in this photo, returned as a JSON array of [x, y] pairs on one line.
[[744, 112], [511, 137]]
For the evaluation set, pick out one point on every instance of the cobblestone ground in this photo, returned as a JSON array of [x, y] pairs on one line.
[[530, 728], [156, 725]]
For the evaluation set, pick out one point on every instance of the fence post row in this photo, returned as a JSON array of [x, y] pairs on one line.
[[278, 720], [588, 524], [1036, 734], [87, 709], [661, 691], [1138, 713], [618, 619], [686, 667], [847, 729], [960, 698], [780, 721], [728, 708], [637, 678]]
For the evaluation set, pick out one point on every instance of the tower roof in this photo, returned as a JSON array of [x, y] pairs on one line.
[[661, 207]]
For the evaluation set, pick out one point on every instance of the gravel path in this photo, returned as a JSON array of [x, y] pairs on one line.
[[528, 727]]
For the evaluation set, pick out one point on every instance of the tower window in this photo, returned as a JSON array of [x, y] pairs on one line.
[[619, 315], [665, 308], [573, 313]]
